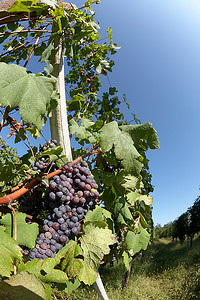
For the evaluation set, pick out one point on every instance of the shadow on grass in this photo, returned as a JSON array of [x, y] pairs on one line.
[[163, 256], [167, 271]]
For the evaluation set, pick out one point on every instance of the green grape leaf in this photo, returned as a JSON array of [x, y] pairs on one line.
[[9, 250], [107, 178], [23, 286], [143, 135], [30, 92], [122, 212], [76, 102], [45, 269], [46, 55], [75, 266], [108, 197], [95, 243], [111, 136], [148, 200], [98, 214], [79, 130], [126, 260], [100, 217], [27, 6], [142, 219], [86, 273], [53, 153], [130, 182], [132, 197], [26, 233], [72, 285], [86, 123], [137, 241]]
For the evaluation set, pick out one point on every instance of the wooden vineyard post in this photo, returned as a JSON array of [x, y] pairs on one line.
[[59, 125], [58, 121], [99, 287]]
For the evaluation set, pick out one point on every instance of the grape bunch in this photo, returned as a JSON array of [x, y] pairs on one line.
[[43, 164], [34, 200], [71, 194]]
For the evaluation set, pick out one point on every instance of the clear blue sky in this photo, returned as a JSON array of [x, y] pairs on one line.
[[158, 68]]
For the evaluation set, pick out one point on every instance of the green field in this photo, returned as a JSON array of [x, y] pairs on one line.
[[166, 271]]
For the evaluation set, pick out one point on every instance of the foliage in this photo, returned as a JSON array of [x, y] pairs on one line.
[[166, 271], [186, 225], [120, 166], [11, 169]]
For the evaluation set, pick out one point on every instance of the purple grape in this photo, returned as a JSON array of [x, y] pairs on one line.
[[51, 230], [39, 241], [59, 214], [52, 196], [84, 164], [56, 226], [80, 217], [63, 177], [63, 239], [56, 236], [41, 251], [45, 222], [75, 230], [43, 246], [74, 219], [50, 223], [61, 220], [68, 208], [87, 187], [32, 255], [53, 242], [59, 194], [63, 226], [46, 227], [79, 210], [77, 181], [75, 200], [70, 224], [82, 201], [81, 185], [52, 185], [68, 232], [53, 248], [49, 252], [58, 246]]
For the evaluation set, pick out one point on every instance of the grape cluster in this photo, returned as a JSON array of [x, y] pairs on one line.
[[71, 194], [34, 200], [43, 164], [49, 144]]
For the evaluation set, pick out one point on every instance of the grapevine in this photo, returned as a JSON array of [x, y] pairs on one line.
[[70, 215]]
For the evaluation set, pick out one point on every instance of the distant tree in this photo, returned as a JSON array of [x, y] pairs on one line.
[[195, 216]]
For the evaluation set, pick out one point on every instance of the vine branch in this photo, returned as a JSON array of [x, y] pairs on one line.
[[8, 199]]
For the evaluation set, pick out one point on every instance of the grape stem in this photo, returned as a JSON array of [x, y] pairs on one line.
[[8, 199]]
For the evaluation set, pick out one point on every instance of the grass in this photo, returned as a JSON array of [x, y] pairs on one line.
[[166, 271]]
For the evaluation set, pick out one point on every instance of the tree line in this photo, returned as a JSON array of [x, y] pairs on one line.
[[185, 226]]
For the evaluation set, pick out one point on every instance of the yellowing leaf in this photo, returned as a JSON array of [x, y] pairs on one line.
[[95, 243]]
